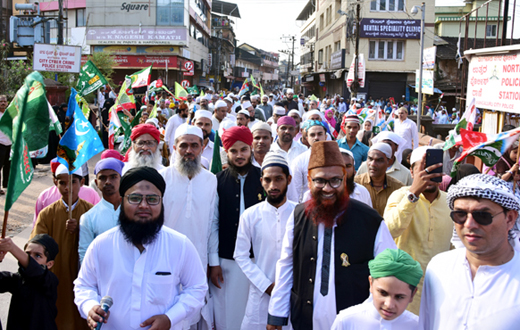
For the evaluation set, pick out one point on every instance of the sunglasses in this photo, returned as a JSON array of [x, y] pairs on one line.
[[481, 217]]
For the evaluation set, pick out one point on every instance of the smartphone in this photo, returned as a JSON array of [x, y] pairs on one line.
[[434, 156]]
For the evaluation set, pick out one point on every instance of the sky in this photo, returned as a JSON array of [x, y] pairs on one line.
[[264, 22]]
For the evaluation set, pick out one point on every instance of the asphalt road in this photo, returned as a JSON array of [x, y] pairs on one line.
[[19, 223]]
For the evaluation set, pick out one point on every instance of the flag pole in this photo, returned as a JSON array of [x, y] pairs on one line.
[[517, 157], [70, 196], [4, 226]]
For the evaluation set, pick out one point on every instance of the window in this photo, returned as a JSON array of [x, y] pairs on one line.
[[387, 5], [170, 12], [329, 15], [322, 22], [491, 30], [320, 57], [200, 8], [338, 7], [337, 46], [198, 35], [81, 19], [386, 50]]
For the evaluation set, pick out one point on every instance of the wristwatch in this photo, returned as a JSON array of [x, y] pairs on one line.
[[411, 197]]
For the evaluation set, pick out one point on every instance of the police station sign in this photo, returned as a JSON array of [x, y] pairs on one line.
[[494, 78], [57, 58]]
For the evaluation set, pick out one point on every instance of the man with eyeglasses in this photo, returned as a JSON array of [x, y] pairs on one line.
[[323, 267], [141, 264], [418, 217], [478, 286], [144, 150]]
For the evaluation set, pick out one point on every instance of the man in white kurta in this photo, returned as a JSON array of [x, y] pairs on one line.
[[476, 287], [407, 129], [152, 273], [173, 123], [286, 130], [262, 227]]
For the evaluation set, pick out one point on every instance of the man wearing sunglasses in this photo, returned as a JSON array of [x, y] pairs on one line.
[[418, 217], [323, 267], [141, 264], [478, 286]]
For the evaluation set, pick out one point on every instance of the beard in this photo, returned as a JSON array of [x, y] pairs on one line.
[[236, 170], [277, 200], [188, 168], [138, 159], [139, 232], [351, 185], [325, 211]]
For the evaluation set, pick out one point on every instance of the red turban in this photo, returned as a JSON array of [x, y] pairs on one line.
[[236, 133], [141, 129], [111, 153]]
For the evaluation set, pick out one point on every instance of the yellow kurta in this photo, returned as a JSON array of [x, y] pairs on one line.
[[422, 229], [52, 221], [379, 197]]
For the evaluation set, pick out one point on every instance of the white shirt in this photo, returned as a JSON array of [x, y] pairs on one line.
[[324, 306], [360, 193], [408, 131], [295, 150], [252, 123], [452, 300], [216, 123], [127, 167], [115, 267], [95, 222], [189, 206], [366, 317], [208, 151], [101, 99], [262, 226], [300, 169], [171, 126], [4, 139]]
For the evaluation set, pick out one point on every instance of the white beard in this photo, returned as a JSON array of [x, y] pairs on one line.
[[187, 168], [137, 159]]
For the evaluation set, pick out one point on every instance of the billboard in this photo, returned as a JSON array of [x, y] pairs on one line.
[[390, 28]]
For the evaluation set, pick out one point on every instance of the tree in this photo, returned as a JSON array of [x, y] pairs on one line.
[[12, 73]]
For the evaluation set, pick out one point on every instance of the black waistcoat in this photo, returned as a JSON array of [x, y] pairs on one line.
[[228, 189], [354, 239]]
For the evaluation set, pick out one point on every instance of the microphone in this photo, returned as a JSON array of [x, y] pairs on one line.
[[106, 303]]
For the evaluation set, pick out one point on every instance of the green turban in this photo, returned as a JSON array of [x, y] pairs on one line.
[[396, 263]]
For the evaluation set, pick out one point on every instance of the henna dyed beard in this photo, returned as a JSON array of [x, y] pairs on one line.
[[325, 211]]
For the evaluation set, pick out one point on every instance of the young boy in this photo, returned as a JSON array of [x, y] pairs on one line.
[[34, 287], [394, 276]]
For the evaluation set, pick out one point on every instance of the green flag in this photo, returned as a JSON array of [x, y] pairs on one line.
[[26, 123], [55, 124], [126, 128], [90, 79], [216, 163], [84, 105]]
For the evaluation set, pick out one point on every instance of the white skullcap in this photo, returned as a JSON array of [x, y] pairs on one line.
[[265, 96], [220, 104], [383, 147], [244, 112], [278, 110], [387, 135], [153, 121], [348, 152], [197, 100], [261, 125], [203, 114], [289, 90], [186, 129], [313, 112], [62, 169], [208, 97], [226, 124], [246, 104], [294, 111], [229, 100], [418, 154]]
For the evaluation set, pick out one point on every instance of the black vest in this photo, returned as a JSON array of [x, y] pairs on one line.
[[228, 189], [354, 238]]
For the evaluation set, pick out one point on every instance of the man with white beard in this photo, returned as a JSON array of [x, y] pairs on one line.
[[144, 150], [189, 199]]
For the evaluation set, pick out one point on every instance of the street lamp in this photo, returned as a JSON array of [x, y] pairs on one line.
[[414, 11]]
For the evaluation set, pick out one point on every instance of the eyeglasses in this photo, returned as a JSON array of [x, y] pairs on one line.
[[137, 199], [333, 183], [149, 144], [481, 217]]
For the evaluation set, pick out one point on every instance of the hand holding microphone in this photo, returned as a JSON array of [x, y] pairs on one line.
[[99, 313]]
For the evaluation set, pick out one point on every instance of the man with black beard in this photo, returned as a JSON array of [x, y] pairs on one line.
[[141, 265], [238, 188], [262, 228], [323, 267], [203, 121], [144, 150]]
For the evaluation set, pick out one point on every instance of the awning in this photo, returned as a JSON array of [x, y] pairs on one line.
[[225, 8], [435, 90]]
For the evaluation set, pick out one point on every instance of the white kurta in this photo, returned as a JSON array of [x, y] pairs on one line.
[[324, 306], [263, 227], [95, 222], [295, 150], [171, 126], [408, 131], [366, 317], [300, 170], [189, 206], [452, 300], [166, 278]]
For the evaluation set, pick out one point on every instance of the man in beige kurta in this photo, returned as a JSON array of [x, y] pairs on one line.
[[54, 220]]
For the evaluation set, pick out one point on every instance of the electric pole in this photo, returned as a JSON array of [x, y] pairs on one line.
[[504, 24], [355, 84], [290, 64], [60, 22]]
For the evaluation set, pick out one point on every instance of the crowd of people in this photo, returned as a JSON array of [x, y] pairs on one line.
[[317, 220]]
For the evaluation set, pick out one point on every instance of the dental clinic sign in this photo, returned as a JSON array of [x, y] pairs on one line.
[[390, 28]]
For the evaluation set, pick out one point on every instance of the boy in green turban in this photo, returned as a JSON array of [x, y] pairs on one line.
[[394, 276]]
